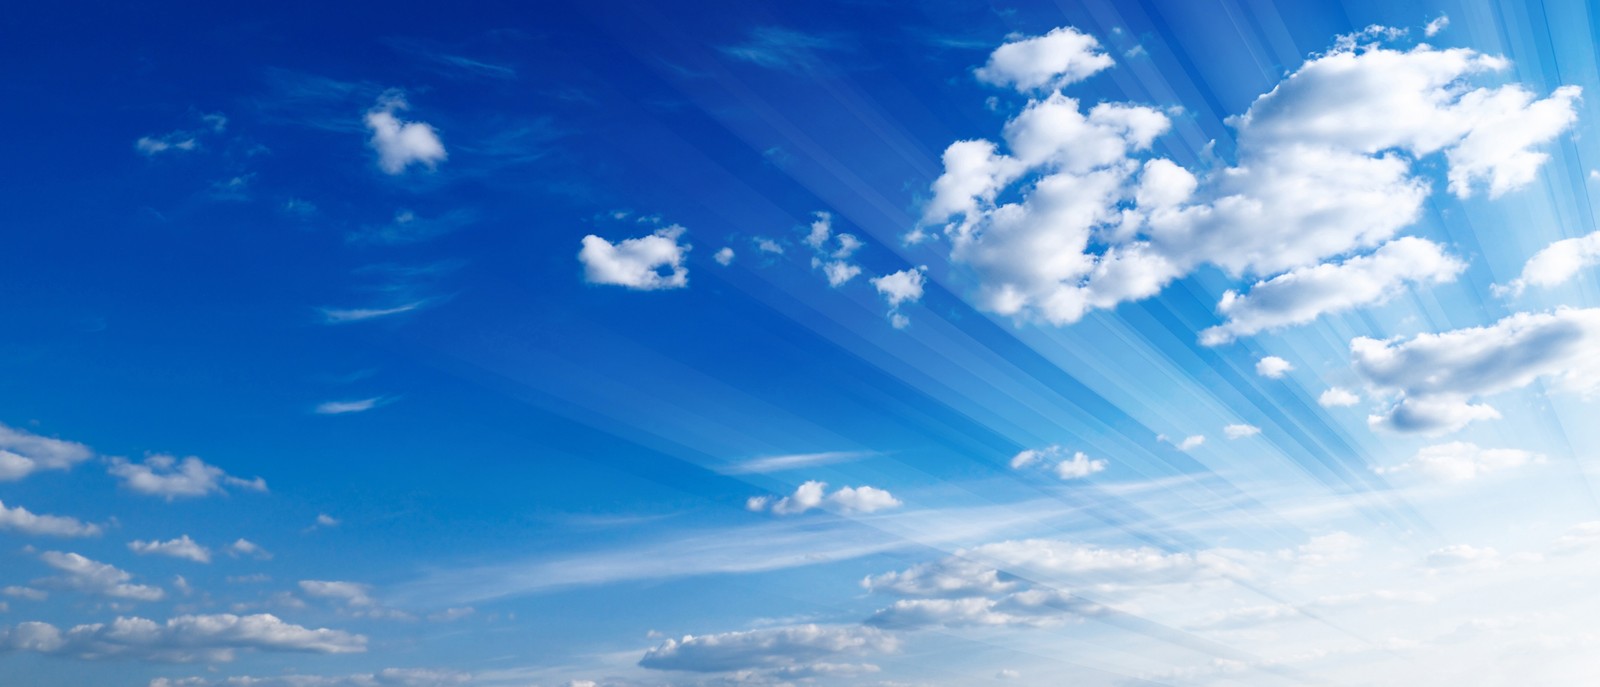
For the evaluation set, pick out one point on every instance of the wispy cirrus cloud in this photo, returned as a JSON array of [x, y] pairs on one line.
[[346, 407]]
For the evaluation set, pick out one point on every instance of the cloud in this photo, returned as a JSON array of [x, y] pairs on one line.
[[1052, 61], [1438, 24], [166, 476], [1324, 171], [23, 453], [343, 315], [898, 289], [81, 574], [344, 407], [766, 648], [401, 143], [19, 519], [182, 639], [1555, 264], [1301, 295], [28, 593], [1436, 376], [1338, 397], [1273, 367], [793, 461], [835, 262], [244, 547], [355, 597], [388, 677], [1459, 461], [1240, 431], [408, 227], [813, 494], [182, 547], [182, 140], [724, 257], [637, 263], [1067, 465], [325, 520], [1032, 607], [767, 245], [784, 49]]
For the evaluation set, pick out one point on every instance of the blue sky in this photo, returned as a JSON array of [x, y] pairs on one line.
[[1159, 343]]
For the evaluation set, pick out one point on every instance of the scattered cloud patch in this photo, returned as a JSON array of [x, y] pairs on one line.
[[1240, 431], [1555, 264], [1273, 367], [400, 143], [782, 647], [784, 49], [81, 574], [1460, 461], [724, 257], [166, 476], [793, 461], [647, 263], [1438, 24], [1338, 397], [244, 548], [19, 519], [182, 547], [1062, 57], [813, 494], [24, 453], [345, 407], [1067, 465], [345, 315], [182, 639], [898, 289]]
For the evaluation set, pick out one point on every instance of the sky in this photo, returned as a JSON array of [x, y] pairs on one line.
[[619, 344]]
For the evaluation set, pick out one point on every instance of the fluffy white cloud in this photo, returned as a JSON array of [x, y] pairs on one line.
[[401, 143], [1437, 376], [167, 477], [1065, 464], [766, 648], [1438, 24], [1324, 170], [1301, 295], [1059, 58], [246, 548], [182, 547], [180, 639], [1033, 607], [1190, 442], [1338, 397], [1556, 263], [19, 519], [23, 453], [1240, 431], [724, 257], [834, 262], [1273, 367], [898, 289], [1459, 461], [814, 494], [647, 263], [388, 677], [93, 577], [350, 593]]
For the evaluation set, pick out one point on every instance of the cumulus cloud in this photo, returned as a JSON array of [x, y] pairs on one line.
[[81, 574], [388, 677], [182, 639], [834, 260], [814, 494], [1240, 431], [1324, 171], [354, 596], [1436, 377], [1032, 607], [400, 143], [166, 476], [1338, 397], [182, 547], [724, 257], [1555, 264], [898, 289], [1438, 24], [647, 263], [1273, 367], [23, 453], [771, 648], [1057, 59], [1065, 464], [1301, 295], [1459, 461], [19, 519], [246, 548]]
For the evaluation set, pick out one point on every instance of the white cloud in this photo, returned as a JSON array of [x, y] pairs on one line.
[[350, 593], [898, 289], [813, 494], [245, 547], [177, 140], [343, 407], [1273, 367], [182, 547], [401, 143], [325, 520], [167, 477], [767, 245], [1240, 431], [1301, 295], [182, 639], [1436, 376], [839, 272], [637, 263], [835, 263], [23, 453], [793, 461], [1555, 264], [1059, 58], [724, 257], [1459, 461], [1065, 464], [765, 648], [19, 519], [1324, 170], [343, 315], [1338, 397], [1457, 555], [1438, 24], [1188, 442], [29, 593], [388, 677], [93, 577]]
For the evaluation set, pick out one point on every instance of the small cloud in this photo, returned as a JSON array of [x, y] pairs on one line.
[[767, 245], [24, 453], [400, 143], [345, 407], [323, 520], [1188, 442], [1273, 367], [1241, 431], [724, 257], [1338, 397], [1460, 461], [898, 289], [784, 49], [813, 494], [19, 519], [1439, 23], [647, 263], [182, 547], [793, 461], [344, 315], [1066, 465], [166, 476], [244, 548]]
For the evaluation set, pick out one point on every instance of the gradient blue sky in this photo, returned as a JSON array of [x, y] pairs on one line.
[[847, 343]]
